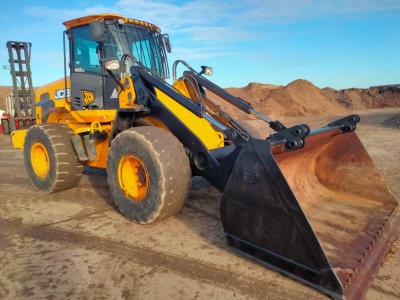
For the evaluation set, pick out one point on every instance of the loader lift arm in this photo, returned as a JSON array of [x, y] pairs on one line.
[[203, 160], [292, 138]]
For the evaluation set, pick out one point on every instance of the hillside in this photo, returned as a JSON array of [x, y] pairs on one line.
[[302, 98]]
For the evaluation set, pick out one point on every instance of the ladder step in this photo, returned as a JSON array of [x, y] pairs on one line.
[[90, 147], [79, 149]]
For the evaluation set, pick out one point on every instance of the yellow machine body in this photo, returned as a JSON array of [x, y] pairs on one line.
[[80, 120]]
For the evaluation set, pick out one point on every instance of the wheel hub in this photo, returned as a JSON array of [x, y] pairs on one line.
[[133, 177], [40, 160]]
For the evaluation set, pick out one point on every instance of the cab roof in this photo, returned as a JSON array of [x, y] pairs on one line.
[[100, 17]]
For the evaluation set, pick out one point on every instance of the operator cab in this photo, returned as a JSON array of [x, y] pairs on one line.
[[96, 39]]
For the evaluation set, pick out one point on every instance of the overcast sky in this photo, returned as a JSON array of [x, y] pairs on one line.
[[342, 43]]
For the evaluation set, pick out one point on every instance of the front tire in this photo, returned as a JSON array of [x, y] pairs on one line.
[[50, 159], [148, 173]]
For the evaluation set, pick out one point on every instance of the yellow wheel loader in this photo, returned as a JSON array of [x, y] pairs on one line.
[[307, 203]]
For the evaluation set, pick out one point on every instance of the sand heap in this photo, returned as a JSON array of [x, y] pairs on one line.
[[302, 98], [365, 98], [298, 98]]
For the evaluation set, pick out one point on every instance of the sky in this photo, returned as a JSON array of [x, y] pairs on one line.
[[336, 43]]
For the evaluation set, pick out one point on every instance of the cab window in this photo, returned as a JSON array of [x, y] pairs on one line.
[[86, 58]]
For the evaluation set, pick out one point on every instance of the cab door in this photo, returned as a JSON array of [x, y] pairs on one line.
[[86, 71]]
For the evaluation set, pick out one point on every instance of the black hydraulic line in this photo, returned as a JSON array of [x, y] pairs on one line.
[[175, 66], [236, 101], [196, 88]]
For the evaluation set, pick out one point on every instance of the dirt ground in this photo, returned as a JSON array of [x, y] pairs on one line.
[[74, 244]]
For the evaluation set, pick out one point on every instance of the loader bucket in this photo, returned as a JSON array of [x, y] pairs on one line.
[[321, 214]]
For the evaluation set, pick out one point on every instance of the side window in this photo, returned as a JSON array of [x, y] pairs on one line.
[[146, 50], [141, 52], [86, 58]]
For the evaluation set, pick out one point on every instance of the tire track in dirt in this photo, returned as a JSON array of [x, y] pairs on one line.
[[190, 268], [384, 291]]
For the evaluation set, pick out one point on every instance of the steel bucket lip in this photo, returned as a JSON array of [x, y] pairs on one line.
[[363, 280], [370, 267], [288, 274]]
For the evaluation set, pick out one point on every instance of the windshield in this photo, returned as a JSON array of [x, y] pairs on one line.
[[144, 44]]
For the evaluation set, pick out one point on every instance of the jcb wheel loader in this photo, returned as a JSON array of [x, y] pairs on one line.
[[308, 203]]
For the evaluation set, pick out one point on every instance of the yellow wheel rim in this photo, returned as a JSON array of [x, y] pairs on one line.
[[40, 160], [133, 177]]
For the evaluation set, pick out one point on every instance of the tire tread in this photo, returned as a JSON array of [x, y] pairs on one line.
[[67, 166], [165, 148]]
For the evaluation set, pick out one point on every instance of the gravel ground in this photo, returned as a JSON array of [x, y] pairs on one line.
[[74, 244]]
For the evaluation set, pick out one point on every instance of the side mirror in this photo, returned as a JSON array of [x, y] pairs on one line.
[[97, 31], [206, 70], [167, 43]]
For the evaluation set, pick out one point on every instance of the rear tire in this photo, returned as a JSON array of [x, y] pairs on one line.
[[50, 160], [164, 168], [6, 126]]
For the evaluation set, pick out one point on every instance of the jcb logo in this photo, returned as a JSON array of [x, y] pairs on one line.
[[60, 94], [87, 97]]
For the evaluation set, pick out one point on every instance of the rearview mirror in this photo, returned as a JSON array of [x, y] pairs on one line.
[[167, 43], [96, 31]]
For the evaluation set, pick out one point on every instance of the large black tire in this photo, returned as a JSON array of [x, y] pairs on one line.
[[168, 170], [65, 170], [6, 126]]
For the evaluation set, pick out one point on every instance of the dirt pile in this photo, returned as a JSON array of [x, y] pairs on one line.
[[302, 98], [298, 98]]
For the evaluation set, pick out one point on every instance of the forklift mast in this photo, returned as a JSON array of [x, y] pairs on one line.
[[22, 113]]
